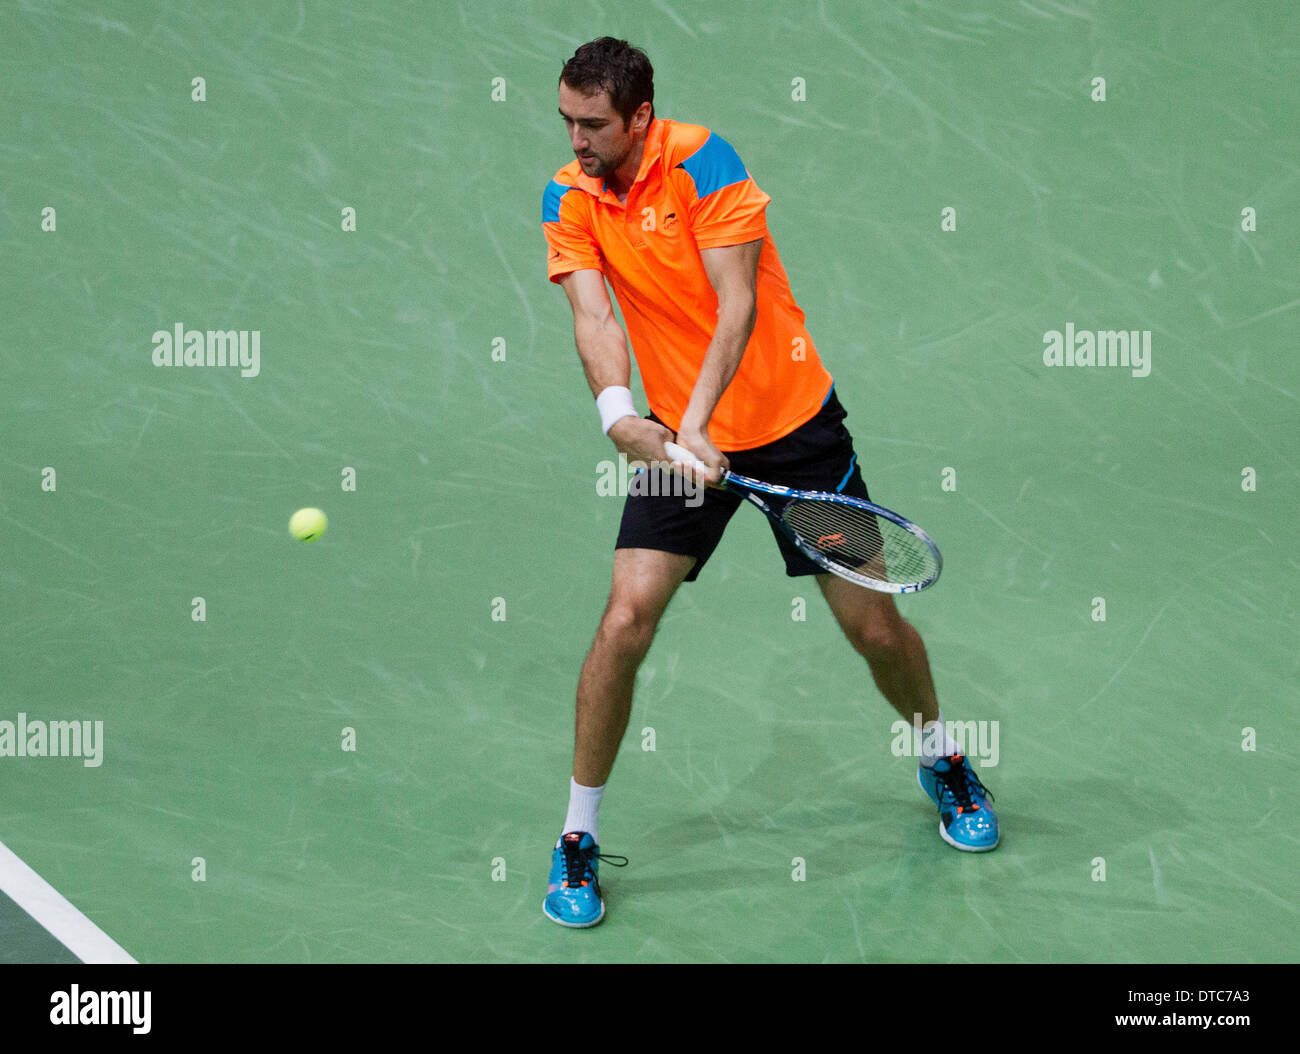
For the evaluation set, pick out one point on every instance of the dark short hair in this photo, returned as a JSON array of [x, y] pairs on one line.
[[617, 67]]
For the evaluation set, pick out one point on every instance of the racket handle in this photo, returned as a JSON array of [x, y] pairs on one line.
[[680, 453]]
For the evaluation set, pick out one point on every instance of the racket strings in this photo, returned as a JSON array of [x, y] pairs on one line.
[[861, 541]]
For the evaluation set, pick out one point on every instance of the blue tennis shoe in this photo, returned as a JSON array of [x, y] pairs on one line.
[[966, 821], [573, 896]]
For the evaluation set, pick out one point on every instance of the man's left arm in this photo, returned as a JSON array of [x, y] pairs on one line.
[[733, 273]]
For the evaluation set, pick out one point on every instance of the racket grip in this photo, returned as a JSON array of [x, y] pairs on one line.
[[680, 453]]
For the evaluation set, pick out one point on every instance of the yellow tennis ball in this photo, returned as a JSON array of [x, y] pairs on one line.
[[307, 524]]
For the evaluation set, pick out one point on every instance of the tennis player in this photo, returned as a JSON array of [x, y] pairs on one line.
[[666, 213]]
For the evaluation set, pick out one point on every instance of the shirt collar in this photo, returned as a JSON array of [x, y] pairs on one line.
[[650, 154]]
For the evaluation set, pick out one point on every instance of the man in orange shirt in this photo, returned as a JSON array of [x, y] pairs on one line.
[[666, 213]]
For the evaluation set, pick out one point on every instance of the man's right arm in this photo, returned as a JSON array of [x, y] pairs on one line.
[[602, 347]]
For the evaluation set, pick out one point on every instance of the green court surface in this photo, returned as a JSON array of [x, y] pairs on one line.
[[443, 617]]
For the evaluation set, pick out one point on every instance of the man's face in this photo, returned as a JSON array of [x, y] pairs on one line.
[[596, 130]]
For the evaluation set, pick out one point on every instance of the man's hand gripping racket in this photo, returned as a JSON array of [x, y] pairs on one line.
[[857, 540]]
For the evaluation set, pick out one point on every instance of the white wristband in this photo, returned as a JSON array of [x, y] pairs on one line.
[[614, 404]]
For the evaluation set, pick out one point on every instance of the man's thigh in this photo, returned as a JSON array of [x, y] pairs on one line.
[[861, 612], [646, 579]]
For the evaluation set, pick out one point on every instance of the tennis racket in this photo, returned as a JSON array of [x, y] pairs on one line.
[[858, 540]]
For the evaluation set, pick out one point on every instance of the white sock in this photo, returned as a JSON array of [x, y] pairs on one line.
[[935, 743], [584, 802]]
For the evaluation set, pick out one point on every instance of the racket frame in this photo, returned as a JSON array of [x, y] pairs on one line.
[[751, 489]]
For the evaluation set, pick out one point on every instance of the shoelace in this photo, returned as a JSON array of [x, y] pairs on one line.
[[578, 862], [959, 781]]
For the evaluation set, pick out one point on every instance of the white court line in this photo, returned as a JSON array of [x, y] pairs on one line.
[[52, 910]]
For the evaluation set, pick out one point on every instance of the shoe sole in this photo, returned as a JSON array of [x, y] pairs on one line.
[[944, 834], [576, 925]]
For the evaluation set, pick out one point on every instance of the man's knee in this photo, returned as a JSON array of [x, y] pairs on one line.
[[644, 583], [629, 625], [880, 638]]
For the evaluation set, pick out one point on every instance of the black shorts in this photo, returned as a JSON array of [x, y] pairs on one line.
[[817, 455]]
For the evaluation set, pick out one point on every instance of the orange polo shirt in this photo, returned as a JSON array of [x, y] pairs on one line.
[[692, 192]]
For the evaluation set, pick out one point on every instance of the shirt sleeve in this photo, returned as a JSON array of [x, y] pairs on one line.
[[570, 246], [729, 208]]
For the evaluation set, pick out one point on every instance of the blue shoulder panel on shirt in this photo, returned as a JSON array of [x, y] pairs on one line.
[[714, 165], [551, 200]]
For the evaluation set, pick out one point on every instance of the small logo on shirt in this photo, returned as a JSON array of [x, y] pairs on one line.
[[669, 221]]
